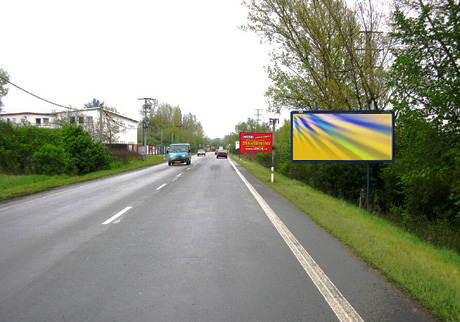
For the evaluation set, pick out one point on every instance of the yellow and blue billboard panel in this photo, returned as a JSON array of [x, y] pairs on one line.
[[342, 136]]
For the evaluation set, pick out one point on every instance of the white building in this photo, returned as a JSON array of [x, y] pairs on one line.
[[119, 128]]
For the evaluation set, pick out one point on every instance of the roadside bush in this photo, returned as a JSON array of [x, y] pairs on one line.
[[70, 150], [85, 155], [30, 140], [18, 145], [9, 161], [51, 160]]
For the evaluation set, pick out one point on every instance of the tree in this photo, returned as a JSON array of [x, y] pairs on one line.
[[426, 71], [427, 168], [111, 127], [4, 78], [163, 117], [192, 125], [251, 125], [426, 81], [167, 124], [327, 53], [161, 121]]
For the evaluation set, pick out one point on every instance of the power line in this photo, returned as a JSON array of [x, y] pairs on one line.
[[113, 120], [67, 107], [36, 96]]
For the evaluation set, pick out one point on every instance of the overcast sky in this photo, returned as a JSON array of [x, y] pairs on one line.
[[186, 53]]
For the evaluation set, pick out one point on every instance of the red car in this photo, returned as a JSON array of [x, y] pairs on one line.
[[221, 153]]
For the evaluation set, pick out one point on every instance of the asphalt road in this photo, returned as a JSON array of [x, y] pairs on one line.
[[181, 243]]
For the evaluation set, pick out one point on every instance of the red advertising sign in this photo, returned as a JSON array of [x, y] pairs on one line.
[[256, 142]]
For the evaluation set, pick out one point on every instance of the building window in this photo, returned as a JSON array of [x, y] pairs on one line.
[[38, 122], [81, 119], [89, 119], [46, 121], [72, 119]]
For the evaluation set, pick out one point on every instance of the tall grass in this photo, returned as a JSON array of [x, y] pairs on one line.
[[429, 274]]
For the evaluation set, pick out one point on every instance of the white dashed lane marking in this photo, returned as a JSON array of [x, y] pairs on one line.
[[108, 221], [161, 186]]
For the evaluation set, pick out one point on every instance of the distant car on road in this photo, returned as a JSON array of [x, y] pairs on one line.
[[201, 152], [221, 154]]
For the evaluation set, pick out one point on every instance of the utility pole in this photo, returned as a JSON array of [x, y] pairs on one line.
[[161, 144], [100, 123], [180, 126], [258, 115], [273, 122], [147, 108]]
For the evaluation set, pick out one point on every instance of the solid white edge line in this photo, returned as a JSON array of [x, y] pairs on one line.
[[161, 186], [108, 221], [337, 302]]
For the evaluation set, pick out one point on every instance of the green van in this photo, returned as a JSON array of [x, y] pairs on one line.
[[179, 153]]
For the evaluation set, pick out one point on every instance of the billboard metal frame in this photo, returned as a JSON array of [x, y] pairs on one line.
[[347, 113]]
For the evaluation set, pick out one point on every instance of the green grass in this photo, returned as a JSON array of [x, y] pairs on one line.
[[17, 186], [428, 274]]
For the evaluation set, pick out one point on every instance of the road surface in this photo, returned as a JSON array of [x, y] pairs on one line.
[[205, 242]]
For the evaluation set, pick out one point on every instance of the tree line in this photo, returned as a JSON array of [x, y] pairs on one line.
[[166, 125], [355, 58]]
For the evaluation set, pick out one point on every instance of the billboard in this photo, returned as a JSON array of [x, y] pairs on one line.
[[256, 142], [342, 136]]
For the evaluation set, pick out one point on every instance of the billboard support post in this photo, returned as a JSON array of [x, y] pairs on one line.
[[315, 164], [367, 192]]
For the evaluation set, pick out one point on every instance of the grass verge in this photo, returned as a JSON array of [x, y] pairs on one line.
[[428, 274], [18, 186]]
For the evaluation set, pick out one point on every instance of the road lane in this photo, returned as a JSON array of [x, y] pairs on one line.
[[199, 249], [38, 231], [337, 302]]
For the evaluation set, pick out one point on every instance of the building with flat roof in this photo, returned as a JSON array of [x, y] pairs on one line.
[[116, 128]]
